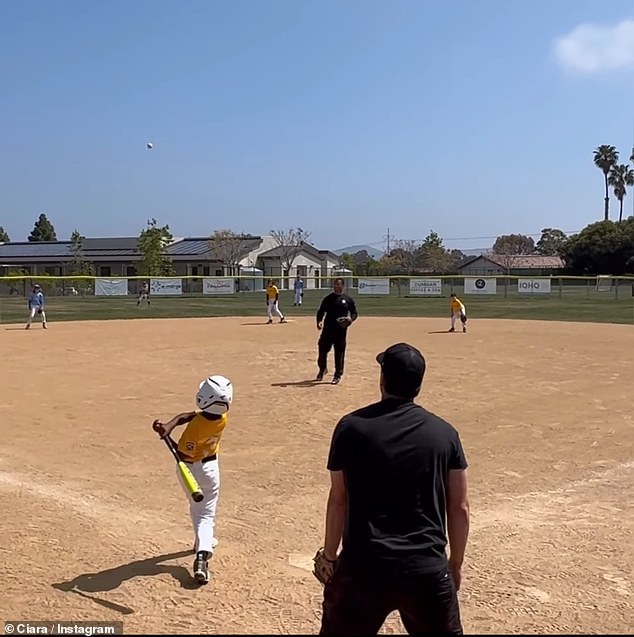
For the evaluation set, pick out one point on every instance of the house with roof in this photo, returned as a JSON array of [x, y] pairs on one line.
[[312, 264], [511, 264], [191, 257]]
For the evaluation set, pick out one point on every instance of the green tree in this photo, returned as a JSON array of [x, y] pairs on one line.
[[551, 241], [43, 230], [621, 176], [79, 266], [604, 247], [513, 244], [4, 237], [606, 156], [347, 261], [363, 263], [457, 258], [404, 252], [153, 241], [432, 256]]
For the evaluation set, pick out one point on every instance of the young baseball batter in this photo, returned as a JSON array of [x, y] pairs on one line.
[[198, 446], [458, 312], [36, 306], [272, 302]]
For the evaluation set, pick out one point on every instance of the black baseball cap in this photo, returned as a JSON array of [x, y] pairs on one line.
[[403, 369]]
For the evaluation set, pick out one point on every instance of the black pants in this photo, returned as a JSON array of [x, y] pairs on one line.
[[357, 603], [332, 338]]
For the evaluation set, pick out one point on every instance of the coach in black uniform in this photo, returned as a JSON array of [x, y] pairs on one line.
[[340, 312], [396, 471]]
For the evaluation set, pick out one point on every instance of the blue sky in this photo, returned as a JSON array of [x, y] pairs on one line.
[[344, 117]]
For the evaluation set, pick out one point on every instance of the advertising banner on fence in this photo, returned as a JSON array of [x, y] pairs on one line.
[[533, 286], [480, 285], [374, 286], [425, 287], [164, 287], [218, 286], [111, 287]]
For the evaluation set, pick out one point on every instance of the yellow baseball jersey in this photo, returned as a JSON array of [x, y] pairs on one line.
[[201, 437], [272, 292], [456, 305]]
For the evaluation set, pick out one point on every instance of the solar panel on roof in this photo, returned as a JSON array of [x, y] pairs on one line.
[[34, 249]]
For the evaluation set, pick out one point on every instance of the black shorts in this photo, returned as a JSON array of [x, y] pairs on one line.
[[356, 603]]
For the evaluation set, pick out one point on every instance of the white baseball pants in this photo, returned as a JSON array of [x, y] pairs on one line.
[[273, 307], [455, 317], [203, 513], [32, 314]]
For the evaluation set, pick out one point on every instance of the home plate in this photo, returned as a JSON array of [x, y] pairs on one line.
[[305, 562]]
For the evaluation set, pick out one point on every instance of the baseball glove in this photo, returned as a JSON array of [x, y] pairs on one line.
[[463, 317], [39, 310], [324, 568], [344, 321]]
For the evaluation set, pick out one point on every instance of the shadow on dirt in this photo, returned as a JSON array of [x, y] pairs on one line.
[[112, 578]]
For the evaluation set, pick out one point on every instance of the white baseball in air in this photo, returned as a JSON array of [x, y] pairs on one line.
[[150, 146]]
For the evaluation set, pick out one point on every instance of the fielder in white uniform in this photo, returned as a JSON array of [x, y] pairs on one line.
[[299, 290], [36, 306]]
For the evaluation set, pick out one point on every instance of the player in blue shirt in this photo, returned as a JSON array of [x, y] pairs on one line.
[[299, 290], [36, 306]]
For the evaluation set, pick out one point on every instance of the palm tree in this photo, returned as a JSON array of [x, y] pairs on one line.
[[620, 177], [605, 157]]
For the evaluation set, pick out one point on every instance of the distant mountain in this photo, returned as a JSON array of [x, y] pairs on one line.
[[373, 252]]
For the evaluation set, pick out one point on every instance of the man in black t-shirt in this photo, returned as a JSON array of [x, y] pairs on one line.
[[340, 311], [398, 496]]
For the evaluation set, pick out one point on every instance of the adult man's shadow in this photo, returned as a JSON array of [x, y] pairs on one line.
[[112, 578], [300, 383]]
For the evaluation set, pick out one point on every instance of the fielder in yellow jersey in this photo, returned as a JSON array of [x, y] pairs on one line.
[[198, 446], [272, 301], [458, 312]]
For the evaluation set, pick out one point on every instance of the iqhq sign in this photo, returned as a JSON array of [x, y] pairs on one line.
[[533, 286]]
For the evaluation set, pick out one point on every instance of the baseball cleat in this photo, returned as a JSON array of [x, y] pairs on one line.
[[336, 380], [320, 376], [201, 570]]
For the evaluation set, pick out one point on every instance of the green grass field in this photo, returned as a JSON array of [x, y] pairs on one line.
[[577, 304]]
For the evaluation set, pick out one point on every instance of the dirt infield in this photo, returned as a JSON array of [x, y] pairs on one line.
[[94, 525]]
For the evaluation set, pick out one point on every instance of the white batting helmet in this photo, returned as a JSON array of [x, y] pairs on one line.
[[215, 395]]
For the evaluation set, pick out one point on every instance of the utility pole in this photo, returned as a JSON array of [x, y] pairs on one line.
[[388, 241]]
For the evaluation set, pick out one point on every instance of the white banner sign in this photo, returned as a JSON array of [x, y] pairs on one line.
[[425, 286], [374, 286], [480, 285], [218, 286], [164, 287], [111, 287], [533, 286]]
